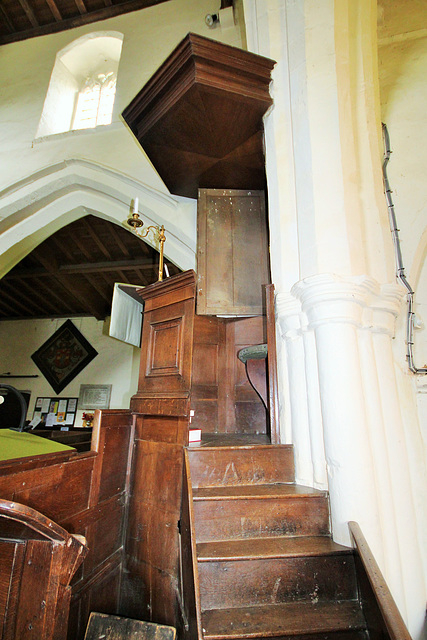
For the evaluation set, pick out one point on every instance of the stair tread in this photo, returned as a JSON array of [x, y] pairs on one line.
[[276, 547], [234, 440], [256, 491], [288, 619], [198, 449]]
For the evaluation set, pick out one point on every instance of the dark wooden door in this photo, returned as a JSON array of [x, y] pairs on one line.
[[232, 253]]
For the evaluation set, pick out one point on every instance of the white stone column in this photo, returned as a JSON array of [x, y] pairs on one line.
[[320, 480], [301, 423], [334, 309], [402, 483], [368, 466], [328, 226], [289, 316]]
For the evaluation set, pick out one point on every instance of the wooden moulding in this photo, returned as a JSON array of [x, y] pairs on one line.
[[199, 60], [176, 289], [189, 574], [273, 390], [382, 615], [199, 118]]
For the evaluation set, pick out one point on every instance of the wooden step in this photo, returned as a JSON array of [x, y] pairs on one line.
[[227, 466], [292, 620], [242, 583], [277, 547], [102, 625], [235, 573], [258, 511]]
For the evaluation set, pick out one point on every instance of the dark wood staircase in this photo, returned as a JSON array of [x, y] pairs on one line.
[[266, 565]]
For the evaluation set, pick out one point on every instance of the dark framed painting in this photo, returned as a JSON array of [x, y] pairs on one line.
[[63, 356]]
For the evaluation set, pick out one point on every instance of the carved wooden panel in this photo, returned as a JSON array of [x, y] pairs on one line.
[[149, 589], [232, 252], [165, 363], [165, 348], [221, 395]]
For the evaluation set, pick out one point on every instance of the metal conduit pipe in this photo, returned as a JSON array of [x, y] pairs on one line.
[[400, 269]]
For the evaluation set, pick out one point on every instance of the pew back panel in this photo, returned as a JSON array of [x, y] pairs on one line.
[[86, 494], [37, 561]]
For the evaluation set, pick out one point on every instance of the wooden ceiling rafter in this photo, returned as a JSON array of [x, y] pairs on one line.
[[54, 9], [30, 295], [70, 275], [101, 290], [82, 247], [123, 277], [29, 13], [12, 299], [85, 294], [61, 247], [85, 267], [6, 313], [78, 13], [52, 293], [104, 277], [47, 258], [96, 239], [81, 7], [114, 265], [119, 242], [7, 19]]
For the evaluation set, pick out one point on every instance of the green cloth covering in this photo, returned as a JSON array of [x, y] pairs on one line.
[[17, 444]]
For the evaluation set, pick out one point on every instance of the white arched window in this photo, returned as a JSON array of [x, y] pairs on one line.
[[82, 86], [95, 101]]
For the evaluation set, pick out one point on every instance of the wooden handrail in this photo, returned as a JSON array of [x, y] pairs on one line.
[[390, 613], [189, 539]]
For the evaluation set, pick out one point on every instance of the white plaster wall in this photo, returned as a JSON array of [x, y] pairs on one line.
[[25, 69], [403, 68], [402, 30], [116, 362], [59, 104], [46, 185]]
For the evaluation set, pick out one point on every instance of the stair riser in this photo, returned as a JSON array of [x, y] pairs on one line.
[[245, 583], [331, 635], [301, 619], [229, 467], [256, 518]]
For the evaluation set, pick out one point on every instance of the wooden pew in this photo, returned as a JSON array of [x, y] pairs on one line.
[[38, 558], [86, 494]]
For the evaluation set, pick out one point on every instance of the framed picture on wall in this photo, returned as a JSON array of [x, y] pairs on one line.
[[63, 356], [95, 396]]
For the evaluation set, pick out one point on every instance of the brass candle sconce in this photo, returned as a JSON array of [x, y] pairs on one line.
[[159, 233]]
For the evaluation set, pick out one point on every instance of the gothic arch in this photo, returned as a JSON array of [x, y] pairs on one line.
[[42, 203]]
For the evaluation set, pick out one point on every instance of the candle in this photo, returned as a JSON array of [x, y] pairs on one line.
[[135, 205]]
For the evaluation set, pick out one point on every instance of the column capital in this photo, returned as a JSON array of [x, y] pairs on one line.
[[386, 307], [328, 297], [358, 300], [288, 314]]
